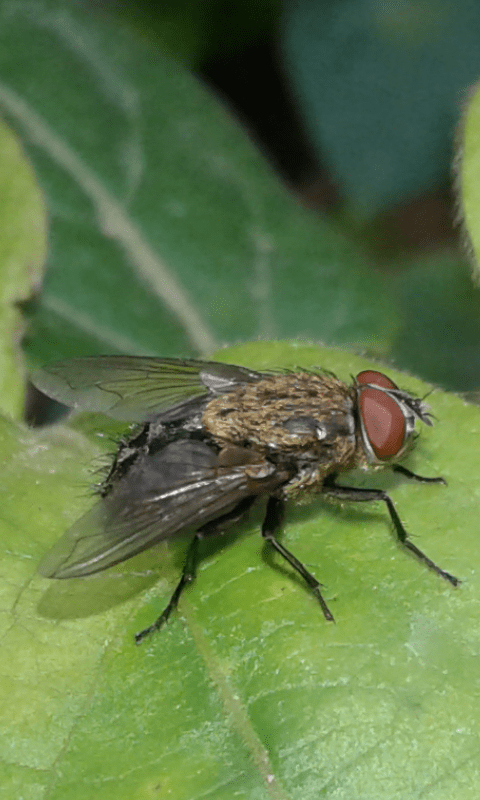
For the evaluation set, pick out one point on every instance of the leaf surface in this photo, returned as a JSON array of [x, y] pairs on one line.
[[22, 254], [247, 692]]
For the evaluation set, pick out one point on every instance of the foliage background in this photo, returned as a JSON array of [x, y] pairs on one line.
[[159, 225]]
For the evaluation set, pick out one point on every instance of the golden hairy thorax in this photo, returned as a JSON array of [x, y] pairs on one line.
[[264, 416]]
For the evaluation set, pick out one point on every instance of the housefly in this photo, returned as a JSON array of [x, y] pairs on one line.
[[212, 439]]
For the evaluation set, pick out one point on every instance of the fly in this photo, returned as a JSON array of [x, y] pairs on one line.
[[215, 437]]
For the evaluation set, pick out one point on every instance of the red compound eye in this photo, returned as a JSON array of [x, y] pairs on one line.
[[383, 421], [378, 378]]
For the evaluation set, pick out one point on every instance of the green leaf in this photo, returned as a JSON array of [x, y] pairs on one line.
[[22, 251], [169, 234], [468, 165], [247, 692], [440, 307], [380, 87]]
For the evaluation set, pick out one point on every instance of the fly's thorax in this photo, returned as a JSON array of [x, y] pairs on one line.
[[295, 414]]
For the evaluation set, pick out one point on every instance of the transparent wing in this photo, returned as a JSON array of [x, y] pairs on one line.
[[138, 389], [179, 488]]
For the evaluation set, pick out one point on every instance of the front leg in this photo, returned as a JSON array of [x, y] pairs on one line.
[[347, 493], [421, 478]]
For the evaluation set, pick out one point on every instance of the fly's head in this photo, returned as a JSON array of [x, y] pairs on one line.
[[386, 416]]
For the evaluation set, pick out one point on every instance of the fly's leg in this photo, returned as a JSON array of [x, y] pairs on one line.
[[371, 495], [271, 523], [409, 474], [188, 575], [190, 566]]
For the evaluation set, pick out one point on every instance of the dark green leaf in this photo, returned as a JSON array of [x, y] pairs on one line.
[[380, 86], [168, 232]]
